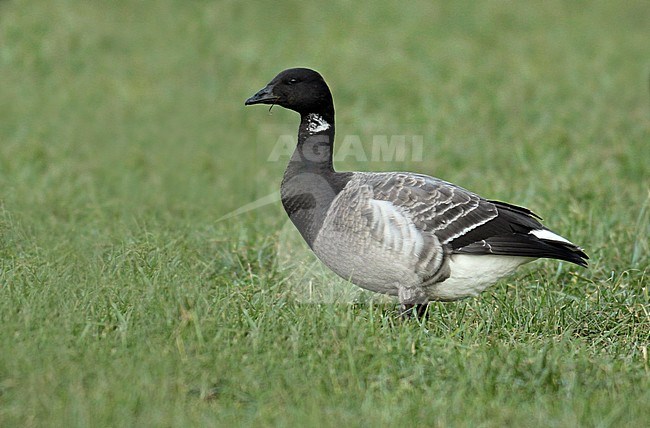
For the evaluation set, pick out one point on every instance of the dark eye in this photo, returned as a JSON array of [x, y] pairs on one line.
[[292, 81]]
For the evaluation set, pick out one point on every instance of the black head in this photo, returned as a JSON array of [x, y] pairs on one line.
[[299, 89]]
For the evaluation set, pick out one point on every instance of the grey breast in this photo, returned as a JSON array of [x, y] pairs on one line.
[[381, 231]]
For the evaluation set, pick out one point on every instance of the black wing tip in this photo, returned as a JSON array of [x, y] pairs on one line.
[[552, 249], [580, 257], [525, 245], [515, 208], [577, 256], [567, 251]]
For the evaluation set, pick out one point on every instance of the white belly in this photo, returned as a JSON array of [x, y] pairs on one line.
[[471, 274]]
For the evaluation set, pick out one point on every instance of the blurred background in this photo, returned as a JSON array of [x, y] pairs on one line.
[[124, 140], [114, 109], [126, 119]]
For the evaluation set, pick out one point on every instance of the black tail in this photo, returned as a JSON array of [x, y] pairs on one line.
[[527, 245], [516, 231]]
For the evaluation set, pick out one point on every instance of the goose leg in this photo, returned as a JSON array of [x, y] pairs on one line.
[[412, 302], [413, 310]]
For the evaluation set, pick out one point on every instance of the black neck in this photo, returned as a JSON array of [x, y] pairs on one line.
[[310, 183], [315, 143]]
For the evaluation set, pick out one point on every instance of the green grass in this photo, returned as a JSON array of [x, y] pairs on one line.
[[123, 139]]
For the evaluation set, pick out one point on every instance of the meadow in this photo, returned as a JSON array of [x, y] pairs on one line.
[[130, 297]]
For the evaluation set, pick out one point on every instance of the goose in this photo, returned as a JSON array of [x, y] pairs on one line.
[[403, 234]]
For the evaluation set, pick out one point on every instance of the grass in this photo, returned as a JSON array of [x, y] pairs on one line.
[[123, 139]]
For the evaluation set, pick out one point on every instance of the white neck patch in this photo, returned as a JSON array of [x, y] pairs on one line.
[[316, 123]]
